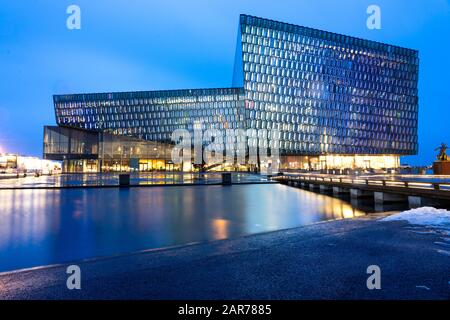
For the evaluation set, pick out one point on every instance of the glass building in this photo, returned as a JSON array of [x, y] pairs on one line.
[[132, 130], [327, 93], [339, 102]]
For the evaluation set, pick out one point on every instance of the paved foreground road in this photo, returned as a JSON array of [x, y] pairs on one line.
[[323, 261]]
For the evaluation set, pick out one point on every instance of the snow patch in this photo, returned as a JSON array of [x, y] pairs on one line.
[[425, 216]]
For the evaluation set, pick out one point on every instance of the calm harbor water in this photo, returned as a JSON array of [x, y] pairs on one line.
[[40, 227]]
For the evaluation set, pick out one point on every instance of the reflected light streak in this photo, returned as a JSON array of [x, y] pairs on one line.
[[220, 228]]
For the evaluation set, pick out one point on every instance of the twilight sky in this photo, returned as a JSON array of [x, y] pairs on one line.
[[172, 44]]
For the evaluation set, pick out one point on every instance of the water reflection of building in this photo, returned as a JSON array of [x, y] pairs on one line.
[[337, 101]]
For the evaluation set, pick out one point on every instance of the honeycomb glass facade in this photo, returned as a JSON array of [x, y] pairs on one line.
[[336, 102], [327, 93], [152, 115]]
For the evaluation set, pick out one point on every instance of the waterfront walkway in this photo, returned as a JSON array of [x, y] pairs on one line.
[[323, 261], [143, 179], [416, 191]]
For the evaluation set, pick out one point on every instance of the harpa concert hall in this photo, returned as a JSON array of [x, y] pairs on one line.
[[338, 102]]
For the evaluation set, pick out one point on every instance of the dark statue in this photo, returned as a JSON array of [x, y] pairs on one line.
[[442, 156]]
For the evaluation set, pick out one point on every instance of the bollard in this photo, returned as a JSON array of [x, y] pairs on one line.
[[124, 180], [226, 179]]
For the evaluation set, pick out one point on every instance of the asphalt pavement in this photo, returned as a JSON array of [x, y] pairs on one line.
[[328, 260]]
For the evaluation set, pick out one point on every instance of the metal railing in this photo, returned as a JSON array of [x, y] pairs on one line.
[[442, 186]]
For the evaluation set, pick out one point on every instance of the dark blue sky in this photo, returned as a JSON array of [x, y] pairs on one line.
[[170, 44]]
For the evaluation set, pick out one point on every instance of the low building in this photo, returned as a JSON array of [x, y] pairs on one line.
[[16, 165]]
